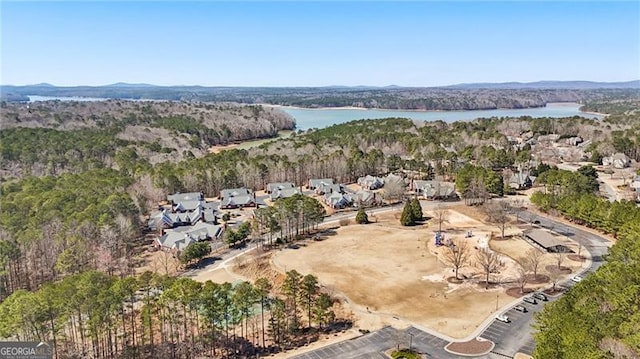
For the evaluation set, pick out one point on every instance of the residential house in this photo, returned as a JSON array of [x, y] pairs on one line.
[[237, 198], [273, 187], [178, 239], [433, 189], [338, 200], [324, 186], [521, 180], [365, 198], [283, 193], [316, 184], [370, 182], [176, 198], [617, 160], [186, 210]]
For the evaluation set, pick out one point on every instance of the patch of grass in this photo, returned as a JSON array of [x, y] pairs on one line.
[[405, 354]]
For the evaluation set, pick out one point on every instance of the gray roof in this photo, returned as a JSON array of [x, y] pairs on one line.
[[174, 240], [188, 205], [283, 193], [434, 188], [365, 197], [316, 182], [330, 188], [337, 199], [182, 237], [271, 187], [240, 200], [543, 238], [371, 182], [234, 192], [181, 197], [209, 215]]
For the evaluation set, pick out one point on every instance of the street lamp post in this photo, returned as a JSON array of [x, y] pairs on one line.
[[410, 341], [497, 296]]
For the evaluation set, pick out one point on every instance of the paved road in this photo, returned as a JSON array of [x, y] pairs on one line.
[[510, 338]]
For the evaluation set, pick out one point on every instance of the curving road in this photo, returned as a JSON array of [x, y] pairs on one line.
[[510, 338]]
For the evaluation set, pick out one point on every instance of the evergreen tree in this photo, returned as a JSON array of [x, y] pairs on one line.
[[406, 218], [362, 217], [416, 209]]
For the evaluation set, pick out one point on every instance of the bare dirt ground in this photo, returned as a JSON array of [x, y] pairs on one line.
[[160, 262], [218, 275], [389, 273]]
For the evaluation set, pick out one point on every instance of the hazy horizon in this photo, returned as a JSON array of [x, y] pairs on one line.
[[125, 84]]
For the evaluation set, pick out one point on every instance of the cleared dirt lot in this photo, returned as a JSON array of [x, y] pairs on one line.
[[392, 271]]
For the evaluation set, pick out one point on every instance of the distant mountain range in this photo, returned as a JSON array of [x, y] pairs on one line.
[[573, 85], [493, 85]]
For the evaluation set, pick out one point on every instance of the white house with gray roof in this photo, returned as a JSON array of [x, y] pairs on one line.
[[370, 182], [237, 198], [283, 193], [186, 210], [279, 186], [320, 182], [180, 238], [433, 189]]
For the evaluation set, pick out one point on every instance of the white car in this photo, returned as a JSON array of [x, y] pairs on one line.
[[502, 318], [576, 279]]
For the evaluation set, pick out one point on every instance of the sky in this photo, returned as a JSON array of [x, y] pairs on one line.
[[262, 43]]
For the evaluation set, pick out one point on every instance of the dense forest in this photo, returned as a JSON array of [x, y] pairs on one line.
[[96, 315], [53, 137]]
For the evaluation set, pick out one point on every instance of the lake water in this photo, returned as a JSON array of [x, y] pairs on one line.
[[318, 118]]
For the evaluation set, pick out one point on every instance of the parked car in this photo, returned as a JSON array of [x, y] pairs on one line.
[[576, 279], [540, 296], [530, 300], [520, 308], [503, 318]]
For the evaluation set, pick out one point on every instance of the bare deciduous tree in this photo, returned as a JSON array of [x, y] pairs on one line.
[[560, 256], [440, 215], [554, 276], [489, 262], [498, 214], [522, 272], [394, 191], [457, 255], [534, 258]]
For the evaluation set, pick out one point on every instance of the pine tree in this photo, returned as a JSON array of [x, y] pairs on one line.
[[416, 210], [406, 218], [362, 217]]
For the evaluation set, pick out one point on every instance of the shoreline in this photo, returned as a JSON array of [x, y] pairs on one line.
[[345, 108]]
